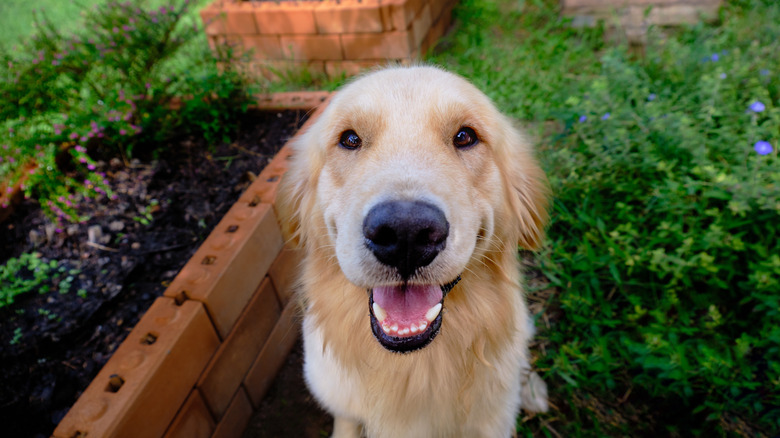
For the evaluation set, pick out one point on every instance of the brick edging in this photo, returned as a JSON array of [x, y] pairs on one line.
[[201, 358]]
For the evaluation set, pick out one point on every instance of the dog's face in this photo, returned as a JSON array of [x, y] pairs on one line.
[[407, 178]]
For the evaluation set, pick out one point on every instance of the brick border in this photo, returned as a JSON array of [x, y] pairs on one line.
[[630, 15], [201, 358], [331, 37]]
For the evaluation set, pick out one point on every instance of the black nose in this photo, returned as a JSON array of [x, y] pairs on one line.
[[405, 234]]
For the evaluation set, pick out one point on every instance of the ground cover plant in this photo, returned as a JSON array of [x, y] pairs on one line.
[[664, 247]]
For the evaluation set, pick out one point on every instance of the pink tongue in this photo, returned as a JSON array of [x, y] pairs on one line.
[[406, 305]]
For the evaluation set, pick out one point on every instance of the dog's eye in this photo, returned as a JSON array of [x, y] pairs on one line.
[[350, 140], [465, 138]]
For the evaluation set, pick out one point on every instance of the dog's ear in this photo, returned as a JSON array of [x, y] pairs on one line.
[[295, 199], [526, 186]]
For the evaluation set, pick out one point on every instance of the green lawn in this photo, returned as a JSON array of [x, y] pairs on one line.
[[17, 17]]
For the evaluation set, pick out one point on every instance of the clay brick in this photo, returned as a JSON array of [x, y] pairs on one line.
[[349, 16], [284, 273], [214, 20], [263, 47], [142, 386], [669, 15], [335, 69], [240, 18], [421, 25], [227, 368], [267, 365], [236, 417], [311, 47], [296, 100], [603, 8], [193, 420], [620, 3], [438, 30], [263, 189], [233, 41], [403, 12], [437, 8], [283, 18], [228, 267], [389, 45]]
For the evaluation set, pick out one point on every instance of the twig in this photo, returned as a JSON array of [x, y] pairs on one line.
[[99, 246]]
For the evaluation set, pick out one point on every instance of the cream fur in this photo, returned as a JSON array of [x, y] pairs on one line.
[[473, 378]]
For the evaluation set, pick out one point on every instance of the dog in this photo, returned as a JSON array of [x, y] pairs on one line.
[[409, 196]]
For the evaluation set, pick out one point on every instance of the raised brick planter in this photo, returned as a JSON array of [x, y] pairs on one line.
[[201, 358], [632, 15], [333, 37]]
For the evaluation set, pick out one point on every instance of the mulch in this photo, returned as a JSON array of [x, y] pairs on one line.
[[53, 344]]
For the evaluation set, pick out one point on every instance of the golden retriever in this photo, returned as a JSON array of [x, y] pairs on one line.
[[409, 195]]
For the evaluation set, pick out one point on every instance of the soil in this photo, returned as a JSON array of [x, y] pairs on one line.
[[111, 267], [288, 409]]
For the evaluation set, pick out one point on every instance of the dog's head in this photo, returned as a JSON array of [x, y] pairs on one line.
[[411, 178]]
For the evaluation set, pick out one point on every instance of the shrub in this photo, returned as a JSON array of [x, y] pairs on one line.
[[124, 86]]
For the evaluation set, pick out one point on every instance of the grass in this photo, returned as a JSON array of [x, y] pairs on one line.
[[663, 244]]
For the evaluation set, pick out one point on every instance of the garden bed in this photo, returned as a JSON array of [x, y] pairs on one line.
[[112, 267]]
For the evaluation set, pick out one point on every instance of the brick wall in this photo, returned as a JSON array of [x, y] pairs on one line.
[[332, 36]]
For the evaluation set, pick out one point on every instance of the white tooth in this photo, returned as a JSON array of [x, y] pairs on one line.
[[414, 328], [404, 331], [433, 312], [423, 325], [394, 328], [379, 312], [386, 328]]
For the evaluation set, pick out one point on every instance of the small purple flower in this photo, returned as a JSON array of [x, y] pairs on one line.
[[715, 57], [91, 166], [605, 116], [723, 75], [583, 118], [764, 72], [55, 62], [763, 147], [757, 107], [81, 149], [651, 97], [73, 136], [122, 132]]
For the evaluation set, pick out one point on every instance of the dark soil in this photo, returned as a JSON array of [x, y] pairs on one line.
[[289, 410], [53, 344]]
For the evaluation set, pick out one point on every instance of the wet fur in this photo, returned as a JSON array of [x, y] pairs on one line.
[[473, 378]]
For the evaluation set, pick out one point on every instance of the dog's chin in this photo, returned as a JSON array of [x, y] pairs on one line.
[[405, 318]]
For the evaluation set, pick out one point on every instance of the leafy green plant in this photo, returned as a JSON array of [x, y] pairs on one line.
[[24, 274], [125, 85], [664, 240]]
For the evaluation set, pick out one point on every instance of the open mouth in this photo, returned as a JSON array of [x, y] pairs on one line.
[[407, 317]]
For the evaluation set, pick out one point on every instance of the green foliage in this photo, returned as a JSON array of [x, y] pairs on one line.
[[664, 242], [124, 85], [24, 274], [29, 272]]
